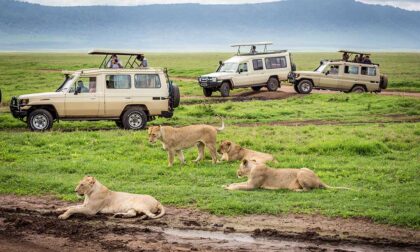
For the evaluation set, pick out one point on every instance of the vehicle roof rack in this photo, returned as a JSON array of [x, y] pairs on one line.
[[132, 62], [353, 52], [252, 44]]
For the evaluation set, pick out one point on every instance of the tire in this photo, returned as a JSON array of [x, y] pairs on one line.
[[304, 87], [256, 89], [207, 92], [40, 120], [358, 89], [224, 89], [119, 124], [296, 89], [273, 84], [176, 96], [383, 84], [134, 119]]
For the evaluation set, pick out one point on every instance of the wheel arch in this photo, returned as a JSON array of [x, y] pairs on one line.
[[359, 85], [49, 107], [230, 82], [139, 106]]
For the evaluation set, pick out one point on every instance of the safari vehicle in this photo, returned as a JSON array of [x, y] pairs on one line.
[[251, 69], [343, 75], [130, 96]]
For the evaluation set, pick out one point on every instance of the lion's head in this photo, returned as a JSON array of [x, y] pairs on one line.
[[85, 185], [224, 147], [154, 133], [245, 168]]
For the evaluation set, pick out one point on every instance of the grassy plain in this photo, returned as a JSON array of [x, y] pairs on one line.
[[380, 161]]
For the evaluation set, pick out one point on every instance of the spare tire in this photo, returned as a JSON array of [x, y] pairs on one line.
[[383, 84], [174, 95]]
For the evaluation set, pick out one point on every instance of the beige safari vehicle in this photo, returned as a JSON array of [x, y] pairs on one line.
[[130, 95], [251, 69], [349, 75]]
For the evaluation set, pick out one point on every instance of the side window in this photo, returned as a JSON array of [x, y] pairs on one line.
[[275, 62], [147, 81], [84, 85], [371, 71], [351, 70], [257, 64], [118, 81], [333, 69], [243, 67]]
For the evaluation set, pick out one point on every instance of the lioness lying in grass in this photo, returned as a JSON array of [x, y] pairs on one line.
[[99, 199], [231, 152], [261, 176], [174, 140]]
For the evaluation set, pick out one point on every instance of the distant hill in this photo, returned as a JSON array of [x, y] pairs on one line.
[[297, 24]]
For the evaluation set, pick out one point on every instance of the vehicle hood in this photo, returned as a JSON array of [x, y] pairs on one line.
[[307, 72], [40, 95], [219, 74]]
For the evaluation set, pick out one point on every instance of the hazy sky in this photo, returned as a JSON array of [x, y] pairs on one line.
[[404, 4]]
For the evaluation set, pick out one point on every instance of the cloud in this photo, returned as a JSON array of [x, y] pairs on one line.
[[403, 4], [138, 2]]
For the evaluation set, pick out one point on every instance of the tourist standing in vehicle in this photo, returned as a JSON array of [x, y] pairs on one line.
[[345, 56]]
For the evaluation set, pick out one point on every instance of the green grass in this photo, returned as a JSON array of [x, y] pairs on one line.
[[380, 161]]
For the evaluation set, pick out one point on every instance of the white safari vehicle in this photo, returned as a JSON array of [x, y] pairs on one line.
[[348, 74], [129, 94], [255, 69]]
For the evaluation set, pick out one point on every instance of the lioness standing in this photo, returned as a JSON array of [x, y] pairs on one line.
[[174, 140], [99, 199], [261, 176]]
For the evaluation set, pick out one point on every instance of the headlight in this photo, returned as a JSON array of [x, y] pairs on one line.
[[24, 102], [214, 79], [297, 75]]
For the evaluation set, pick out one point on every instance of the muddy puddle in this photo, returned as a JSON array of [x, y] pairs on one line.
[[31, 224]]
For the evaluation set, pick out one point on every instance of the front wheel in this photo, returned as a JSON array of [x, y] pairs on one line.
[[296, 88], [207, 92], [224, 89], [273, 84], [134, 119], [119, 124], [304, 86], [40, 120]]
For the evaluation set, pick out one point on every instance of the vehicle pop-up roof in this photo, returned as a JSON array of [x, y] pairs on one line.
[[133, 60], [256, 44]]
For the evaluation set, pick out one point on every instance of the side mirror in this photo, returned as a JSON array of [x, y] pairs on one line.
[[78, 90], [240, 70], [327, 72]]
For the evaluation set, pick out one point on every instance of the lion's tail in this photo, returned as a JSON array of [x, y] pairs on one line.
[[222, 127], [323, 185], [161, 212]]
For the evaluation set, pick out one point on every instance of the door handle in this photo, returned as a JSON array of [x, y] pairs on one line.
[[128, 98]]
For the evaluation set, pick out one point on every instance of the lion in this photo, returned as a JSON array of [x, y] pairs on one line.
[[261, 176], [174, 140], [231, 152], [99, 199]]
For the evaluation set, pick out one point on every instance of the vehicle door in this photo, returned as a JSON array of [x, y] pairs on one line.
[[151, 90], [118, 93], [276, 66], [241, 79], [82, 98], [258, 74], [329, 77], [369, 76], [350, 77]]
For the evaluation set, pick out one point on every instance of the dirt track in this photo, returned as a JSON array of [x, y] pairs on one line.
[[31, 224]]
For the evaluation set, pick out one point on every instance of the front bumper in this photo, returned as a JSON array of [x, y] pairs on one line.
[[208, 83], [16, 110]]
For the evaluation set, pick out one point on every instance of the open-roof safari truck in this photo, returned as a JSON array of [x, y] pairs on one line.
[[131, 95], [353, 73], [249, 68]]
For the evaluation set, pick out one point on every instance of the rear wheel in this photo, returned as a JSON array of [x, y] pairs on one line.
[[273, 84], [207, 92], [358, 89], [224, 89], [304, 86], [40, 120], [134, 119], [256, 88]]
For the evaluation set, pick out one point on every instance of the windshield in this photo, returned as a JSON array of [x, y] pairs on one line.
[[321, 68], [228, 67], [66, 84]]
